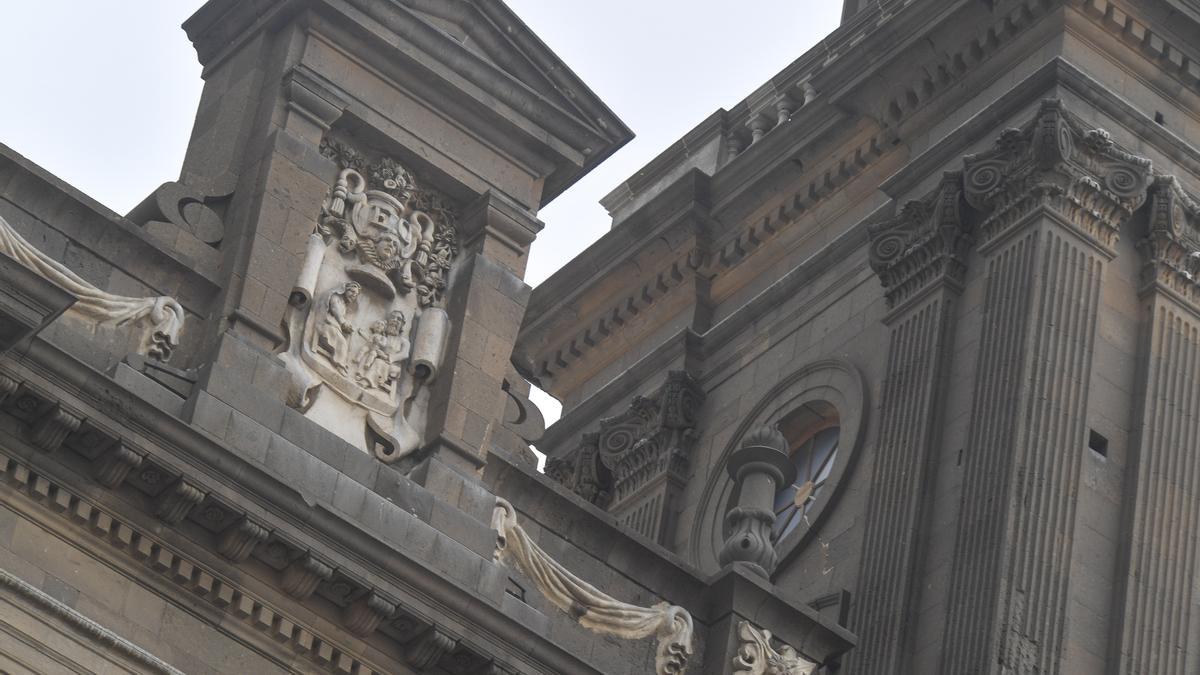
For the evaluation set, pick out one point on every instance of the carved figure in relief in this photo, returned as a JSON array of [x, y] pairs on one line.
[[336, 329], [364, 322]]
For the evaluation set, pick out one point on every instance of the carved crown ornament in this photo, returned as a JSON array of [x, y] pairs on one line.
[[1171, 245], [652, 437], [1054, 162], [159, 319], [928, 240], [365, 321]]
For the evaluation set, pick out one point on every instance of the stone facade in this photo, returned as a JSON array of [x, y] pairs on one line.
[[889, 368]]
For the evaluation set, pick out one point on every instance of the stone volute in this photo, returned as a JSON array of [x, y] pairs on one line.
[[759, 467]]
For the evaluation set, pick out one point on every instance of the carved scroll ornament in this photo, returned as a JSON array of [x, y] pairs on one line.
[[364, 322], [756, 656], [160, 318], [1171, 245], [593, 609]]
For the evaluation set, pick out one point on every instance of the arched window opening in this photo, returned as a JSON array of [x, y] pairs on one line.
[[812, 431]]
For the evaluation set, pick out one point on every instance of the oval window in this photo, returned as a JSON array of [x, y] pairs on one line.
[[813, 433]]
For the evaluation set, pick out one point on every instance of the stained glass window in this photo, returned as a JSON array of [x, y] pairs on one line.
[[814, 456]]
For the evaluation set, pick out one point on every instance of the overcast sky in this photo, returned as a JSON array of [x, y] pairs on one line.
[[102, 92]]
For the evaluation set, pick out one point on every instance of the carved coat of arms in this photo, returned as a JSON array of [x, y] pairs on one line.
[[366, 334]]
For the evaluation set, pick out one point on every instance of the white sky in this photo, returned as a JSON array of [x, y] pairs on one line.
[[102, 92]]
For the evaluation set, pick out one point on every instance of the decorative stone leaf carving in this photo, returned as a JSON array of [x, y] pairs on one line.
[[364, 322], [592, 608], [1171, 245], [160, 318], [756, 656], [653, 436], [1054, 162], [927, 241]]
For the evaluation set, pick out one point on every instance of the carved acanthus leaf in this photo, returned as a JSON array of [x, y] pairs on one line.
[[653, 436], [927, 241], [756, 655], [592, 608], [161, 318], [1054, 162], [1171, 245]]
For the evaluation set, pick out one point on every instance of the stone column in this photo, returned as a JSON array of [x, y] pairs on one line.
[[1055, 196], [920, 257], [1156, 607], [759, 468]]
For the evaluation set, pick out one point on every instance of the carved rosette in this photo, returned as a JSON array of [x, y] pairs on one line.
[[365, 323], [926, 242], [653, 437], [592, 608], [1055, 163], [1171, 245], [756, 655]]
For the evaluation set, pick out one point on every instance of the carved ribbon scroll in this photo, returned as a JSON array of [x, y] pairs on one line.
[[593, 609], [756, 656], [161, 318]]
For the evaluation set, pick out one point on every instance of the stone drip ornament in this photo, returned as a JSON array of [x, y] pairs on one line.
[[365, 330], [756, 656], [593, 609], [159, 318]]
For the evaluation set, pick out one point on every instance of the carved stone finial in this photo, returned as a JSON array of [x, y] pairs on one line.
[[161, 318], [756, 655], [926, 242], [1054, 162], [592, 608], [760, 466]]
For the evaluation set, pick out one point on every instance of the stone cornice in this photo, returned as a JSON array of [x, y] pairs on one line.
[[1054, 163], [1170, 246], [180, 464], [926, 242]]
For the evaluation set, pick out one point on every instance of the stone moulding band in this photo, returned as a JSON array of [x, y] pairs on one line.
[[85, 625], [161, 317], [592, 608]]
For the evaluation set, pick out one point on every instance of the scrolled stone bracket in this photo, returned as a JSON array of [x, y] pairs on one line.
[[428, 648], [592, 608], [111, 468], [756, 655], [364, 615], [52, 427], [301, 577], [174, 503], [238, 540]]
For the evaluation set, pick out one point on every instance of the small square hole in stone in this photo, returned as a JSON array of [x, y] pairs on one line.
[[1160, 119], [1098, 444]]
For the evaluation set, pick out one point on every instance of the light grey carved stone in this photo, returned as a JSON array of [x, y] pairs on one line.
[[428, 648], [237, 541], [364, 615], [366, 333], [592, 608], [1171, 245], [111, 468], [759, 467], [50, 429], [173, 504], [161, 318], [756, 655], [301, 577]]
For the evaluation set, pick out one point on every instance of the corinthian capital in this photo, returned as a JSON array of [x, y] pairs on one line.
[[1171, 245], [1055, 163], [926, 242]]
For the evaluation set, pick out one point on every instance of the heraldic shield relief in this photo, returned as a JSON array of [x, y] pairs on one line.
[[365, 328]]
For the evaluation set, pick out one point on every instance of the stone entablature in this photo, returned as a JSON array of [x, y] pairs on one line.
[[365, 321]]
